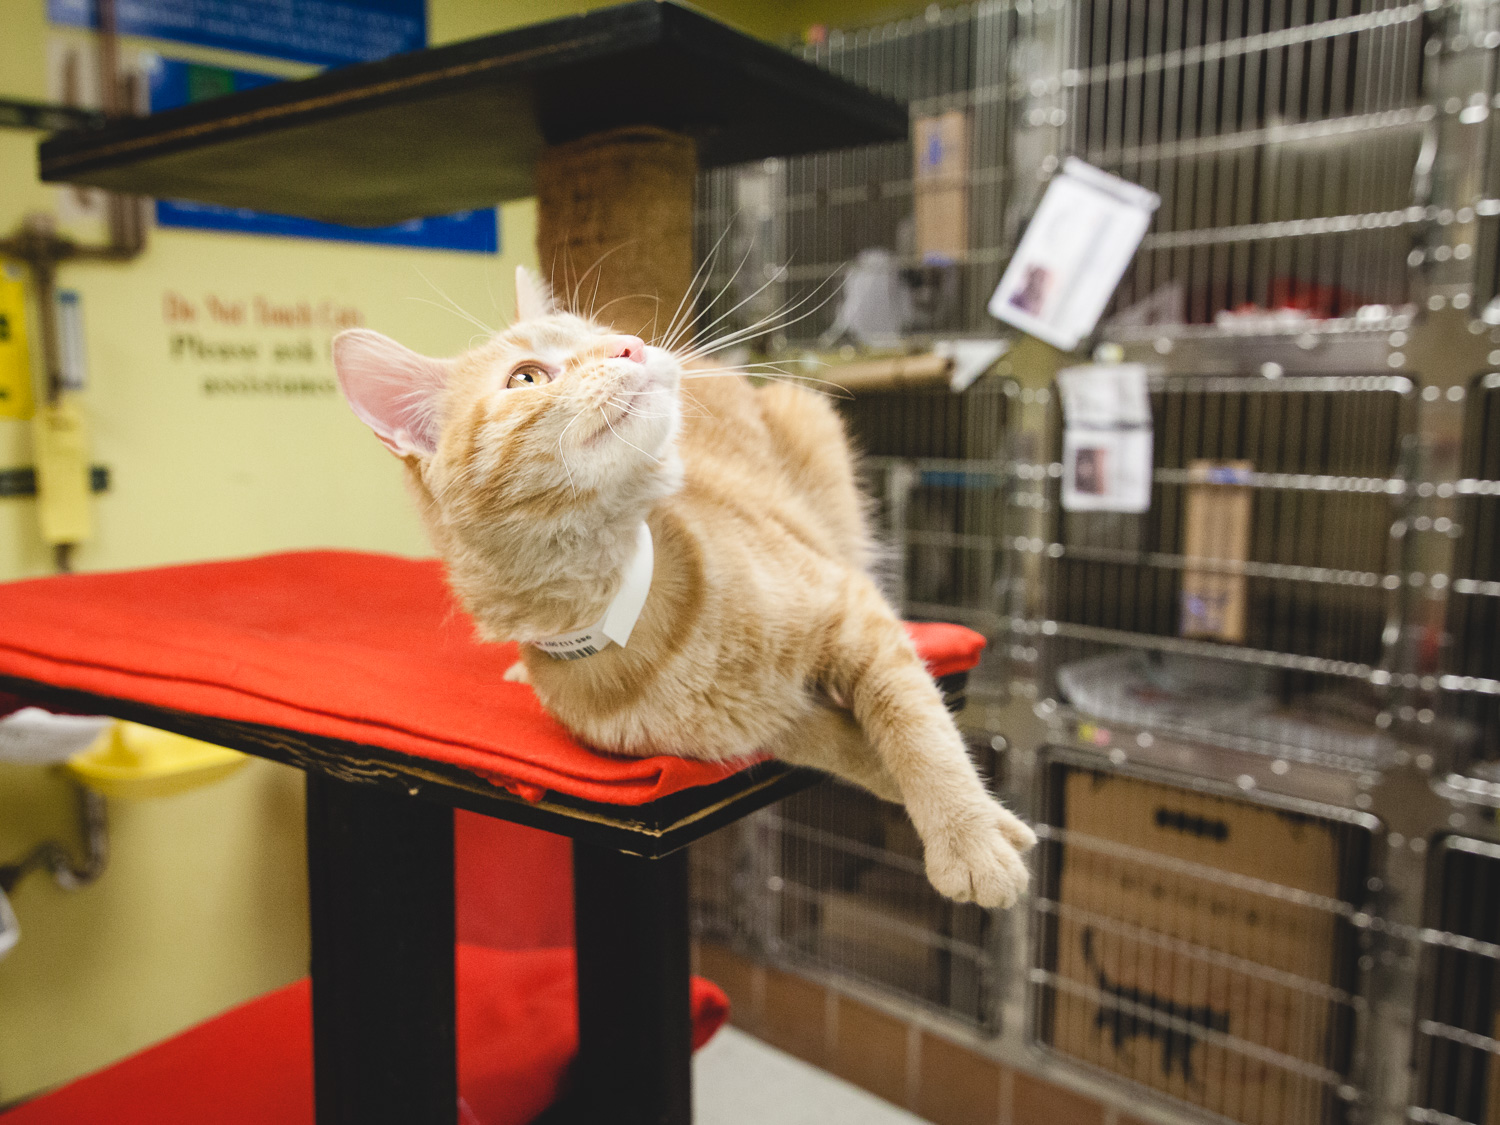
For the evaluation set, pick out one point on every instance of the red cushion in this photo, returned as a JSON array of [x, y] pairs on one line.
[[517, 1032], [947, 649], [362, 647]]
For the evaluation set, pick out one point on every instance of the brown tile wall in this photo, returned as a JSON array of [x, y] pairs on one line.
[[940, 1080], [869, 1049], [1046, 1104]]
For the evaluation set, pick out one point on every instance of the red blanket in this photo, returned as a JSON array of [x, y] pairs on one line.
[[517, 1032], [362, 647]]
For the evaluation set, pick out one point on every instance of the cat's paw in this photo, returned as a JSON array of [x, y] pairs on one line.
[[516, 673], [1016, 830], [978, 863]]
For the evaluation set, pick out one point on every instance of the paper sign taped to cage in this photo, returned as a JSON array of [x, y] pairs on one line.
[[1107, 438], [1074, 252], [1105, 395], [1106, 470]]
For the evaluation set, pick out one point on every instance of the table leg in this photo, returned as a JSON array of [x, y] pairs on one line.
[[635, 1022], [380, 883]]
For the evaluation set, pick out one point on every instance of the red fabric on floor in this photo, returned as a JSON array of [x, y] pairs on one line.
[[362, 647], [517, 1032]]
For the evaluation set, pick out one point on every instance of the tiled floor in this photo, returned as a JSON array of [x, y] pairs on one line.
[[738, 1080]]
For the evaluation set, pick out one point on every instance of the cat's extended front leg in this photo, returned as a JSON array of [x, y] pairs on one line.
[[830, 740], [972, 843]]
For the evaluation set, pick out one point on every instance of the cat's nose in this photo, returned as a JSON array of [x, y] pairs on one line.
[[625, 347]]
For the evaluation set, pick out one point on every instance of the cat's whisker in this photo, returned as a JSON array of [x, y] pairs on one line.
[[594, 296], [725, 288], [706, 264], [699, 412], [456, 307], [694, 345], [722, 316], [773, 368], [598, 276], [475, 321], [773, 365], [729, 340], [709, 348], [616, 432], [629, 408], [570, 291], [777, 319], [811, 383], [489, 287], [563, 457], [703, 411], [627, 297]]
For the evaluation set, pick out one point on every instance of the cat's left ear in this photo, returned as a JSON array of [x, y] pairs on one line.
[[533, 298], [392, 389]]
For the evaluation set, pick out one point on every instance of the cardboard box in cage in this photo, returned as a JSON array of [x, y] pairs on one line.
[[940, 154], [1216, 529], [1196, 985]]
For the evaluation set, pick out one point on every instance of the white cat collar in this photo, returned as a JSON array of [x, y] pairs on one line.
[[620, 618]]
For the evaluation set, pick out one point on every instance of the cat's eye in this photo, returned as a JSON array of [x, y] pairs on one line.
[[529, 375]]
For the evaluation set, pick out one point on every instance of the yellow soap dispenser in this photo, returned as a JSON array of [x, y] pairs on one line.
[[131, 761]]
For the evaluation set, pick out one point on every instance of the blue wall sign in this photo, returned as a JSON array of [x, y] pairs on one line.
[[326, 32]]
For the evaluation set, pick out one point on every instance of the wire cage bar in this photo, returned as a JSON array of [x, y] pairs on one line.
[[850, 895], [934, 462], [1456, 1034], [1474, 601]]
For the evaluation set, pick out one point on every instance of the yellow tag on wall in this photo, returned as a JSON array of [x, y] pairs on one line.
[[62, 472], [15, 356]]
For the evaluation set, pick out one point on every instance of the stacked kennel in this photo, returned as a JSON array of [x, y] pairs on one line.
[[1258, 725]]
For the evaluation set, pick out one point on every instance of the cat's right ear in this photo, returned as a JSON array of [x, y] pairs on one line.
[[392, 389], [533, 298]]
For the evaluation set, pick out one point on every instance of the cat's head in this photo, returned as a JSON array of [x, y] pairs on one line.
[[554, 414]]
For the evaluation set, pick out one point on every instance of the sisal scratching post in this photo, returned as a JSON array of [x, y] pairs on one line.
[[615, 222]]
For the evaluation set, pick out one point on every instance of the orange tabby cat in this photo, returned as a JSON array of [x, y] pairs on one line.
[[537, 457]]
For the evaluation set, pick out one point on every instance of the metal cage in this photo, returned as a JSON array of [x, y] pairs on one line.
[[1317, 468], [1312, 299]]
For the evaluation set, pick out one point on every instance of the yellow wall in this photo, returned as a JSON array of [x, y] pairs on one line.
[[203, 903], [779, 21]]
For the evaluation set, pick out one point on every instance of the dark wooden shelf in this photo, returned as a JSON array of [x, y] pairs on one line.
[[655, 829], [460, 126]]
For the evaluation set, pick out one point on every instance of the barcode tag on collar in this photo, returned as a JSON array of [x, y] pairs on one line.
[[575, 646], [620, 618]]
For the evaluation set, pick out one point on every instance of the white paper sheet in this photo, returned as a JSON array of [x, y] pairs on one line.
[[1107, 438], [1074, 252]]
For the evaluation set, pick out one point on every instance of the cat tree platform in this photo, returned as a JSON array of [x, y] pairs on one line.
[[605, 117]]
